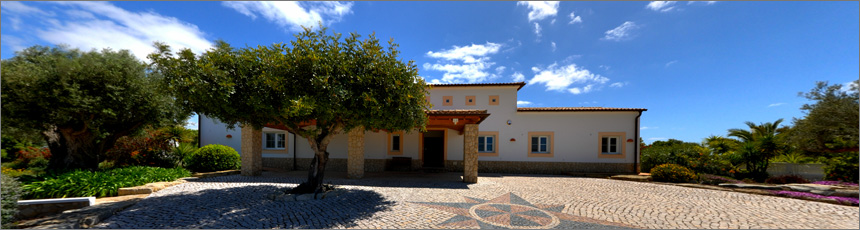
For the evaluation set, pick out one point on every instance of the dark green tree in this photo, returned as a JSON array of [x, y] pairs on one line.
[[337, 84], [833, 118], [82, 102]]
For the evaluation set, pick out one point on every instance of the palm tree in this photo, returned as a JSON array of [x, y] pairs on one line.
[[759, 144]]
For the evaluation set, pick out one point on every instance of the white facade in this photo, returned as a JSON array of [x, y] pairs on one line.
[[575, 132]]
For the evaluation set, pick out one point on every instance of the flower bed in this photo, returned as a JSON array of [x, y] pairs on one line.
[[842, 200]]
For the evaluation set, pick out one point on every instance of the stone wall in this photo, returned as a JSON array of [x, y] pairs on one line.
[[813, 172], [278, 163], [28, 209]]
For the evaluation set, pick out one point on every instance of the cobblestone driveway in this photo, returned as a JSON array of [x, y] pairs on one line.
[[414, 200]]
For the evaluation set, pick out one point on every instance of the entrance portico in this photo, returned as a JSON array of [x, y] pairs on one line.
[[465, 122]]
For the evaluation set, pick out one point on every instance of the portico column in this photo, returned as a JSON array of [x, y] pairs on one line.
[[252, 151], [355, 155], [470, 153]]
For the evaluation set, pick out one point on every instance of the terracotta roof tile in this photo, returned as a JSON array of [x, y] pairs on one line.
[[575, 109], [520, 84]]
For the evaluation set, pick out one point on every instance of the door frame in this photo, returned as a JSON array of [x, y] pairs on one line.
[[444, 145]]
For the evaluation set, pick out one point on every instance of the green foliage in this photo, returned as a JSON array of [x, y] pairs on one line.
[[672, 173], [30, 157], [153, 147], [336, 83], [82, 101], [184, 151], [795, 158], [786, 179], [11, 146], [843, 167], [214, 157], [80, 183], [690, 155], [758, 145], [10, 192], [834, 116]]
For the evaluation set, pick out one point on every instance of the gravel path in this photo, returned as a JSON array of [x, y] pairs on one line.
[[415, 200]]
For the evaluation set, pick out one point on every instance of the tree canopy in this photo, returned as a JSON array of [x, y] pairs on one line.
[[337, 83], [831, 122], [82, 102]]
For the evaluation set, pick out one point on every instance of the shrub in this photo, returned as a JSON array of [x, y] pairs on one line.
[[672, 173], [214, 157], [152, 148], [786, 179], [82, 183], [843, 168], [690, 155], [715, 180], [31, 157], [10, 192]]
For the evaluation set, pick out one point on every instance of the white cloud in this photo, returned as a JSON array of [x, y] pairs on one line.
[[466, 63], [706, 2], [99, 25], [846, 87], [293, 15], [662, 6], [618, 84], [588, 103], [500, 70], [605, 67], [646, 127], [574, 19], [657, 138], [540, 9], [671, 62], [524, 103], [775, 104], [20, 8], [537, 30], [518, 77], [553, 46], [621, 32], [560, 78]]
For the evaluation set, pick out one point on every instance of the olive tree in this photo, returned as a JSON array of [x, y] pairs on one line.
[[82, 102], [316, 87]]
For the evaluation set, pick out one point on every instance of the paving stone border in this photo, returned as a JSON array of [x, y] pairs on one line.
[[79, 218]]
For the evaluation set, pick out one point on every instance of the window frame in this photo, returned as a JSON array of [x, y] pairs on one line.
[[550, 148], [473, 100], [494, 97], [390, 145], [277, 134], [621, 145], [447, 100], [495, 135]]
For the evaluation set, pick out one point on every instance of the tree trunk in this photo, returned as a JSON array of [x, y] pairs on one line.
[[71, 150]]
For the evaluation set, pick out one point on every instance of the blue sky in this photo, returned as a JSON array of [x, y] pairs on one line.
[[699, 68]]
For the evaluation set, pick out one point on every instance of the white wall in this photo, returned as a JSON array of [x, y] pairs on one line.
[[213, 131], [575, 133]]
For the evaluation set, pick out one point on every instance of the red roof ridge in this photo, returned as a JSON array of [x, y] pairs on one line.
[[520, 84], [562, 109]]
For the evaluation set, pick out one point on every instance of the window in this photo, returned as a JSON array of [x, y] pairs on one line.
[[274, 140], [485, 144], [611, 145], [541, 144], [494, 99], [488, 143], [470, 100], [447, 100], [395, 143]]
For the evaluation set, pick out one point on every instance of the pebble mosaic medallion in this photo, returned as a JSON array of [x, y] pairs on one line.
[[513, 212]]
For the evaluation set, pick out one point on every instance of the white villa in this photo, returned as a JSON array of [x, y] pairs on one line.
[[470, 125]]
